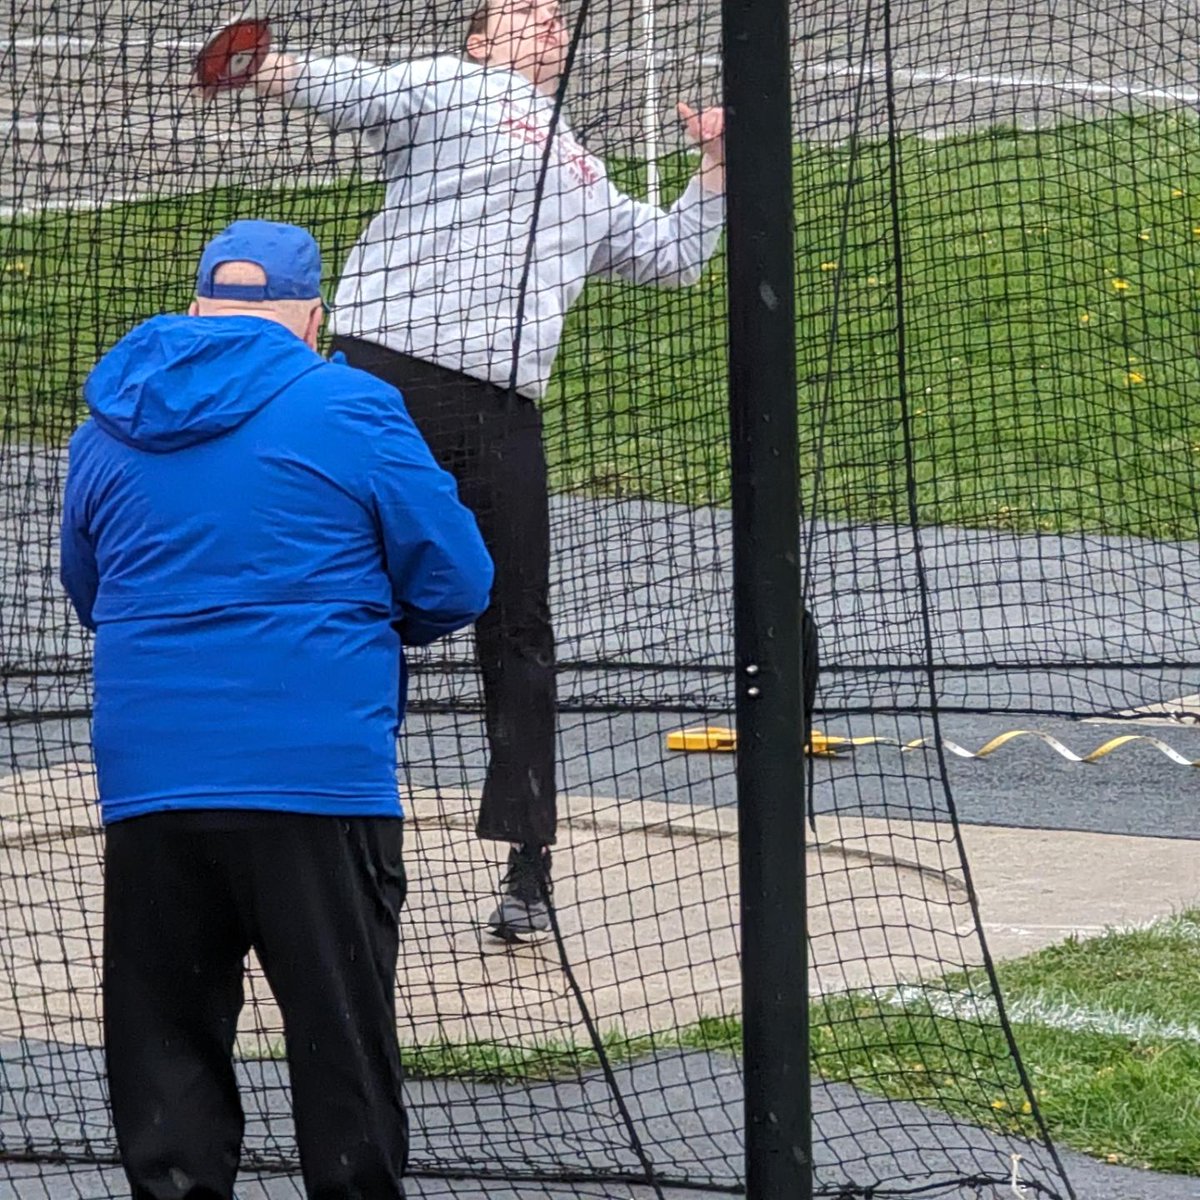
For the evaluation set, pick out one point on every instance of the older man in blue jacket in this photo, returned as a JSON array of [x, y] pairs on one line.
[[253, 532]]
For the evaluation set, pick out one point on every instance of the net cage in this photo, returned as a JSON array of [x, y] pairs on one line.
[[995, 229]]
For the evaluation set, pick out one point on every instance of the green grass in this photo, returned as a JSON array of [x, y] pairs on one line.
[[1130, 1095], [1124, 1085], [506, 1062], [72, 283], [1051, 330]]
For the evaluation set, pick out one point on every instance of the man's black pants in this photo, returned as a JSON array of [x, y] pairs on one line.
[[186, 895], [491, 442]]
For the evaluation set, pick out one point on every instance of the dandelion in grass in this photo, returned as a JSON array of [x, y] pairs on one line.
[[1133, 378], [1120, 285], [829, 266]]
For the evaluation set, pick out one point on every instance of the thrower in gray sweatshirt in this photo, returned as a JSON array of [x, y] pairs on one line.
[[437, 274]]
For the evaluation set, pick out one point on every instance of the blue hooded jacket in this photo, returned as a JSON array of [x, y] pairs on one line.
[[252, 531]]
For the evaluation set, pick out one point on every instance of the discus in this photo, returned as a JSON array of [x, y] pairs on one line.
[[232, 56]]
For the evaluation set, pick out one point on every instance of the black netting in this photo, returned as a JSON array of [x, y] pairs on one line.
[[996, 231]]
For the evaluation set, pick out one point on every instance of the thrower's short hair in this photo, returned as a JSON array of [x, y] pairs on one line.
[[479, 19]]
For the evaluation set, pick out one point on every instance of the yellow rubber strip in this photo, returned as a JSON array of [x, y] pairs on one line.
[[718, 739]]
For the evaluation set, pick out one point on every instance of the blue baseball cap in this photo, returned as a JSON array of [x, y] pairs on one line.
[[288, 255]]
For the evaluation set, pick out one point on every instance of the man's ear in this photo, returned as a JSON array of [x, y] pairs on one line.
[[477, 47], [315, 319]]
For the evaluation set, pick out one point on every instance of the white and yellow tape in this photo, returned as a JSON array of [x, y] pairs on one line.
[[714, 739]]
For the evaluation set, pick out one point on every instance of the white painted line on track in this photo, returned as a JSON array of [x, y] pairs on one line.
[[1094, 89], [933, 76], [141, 39]]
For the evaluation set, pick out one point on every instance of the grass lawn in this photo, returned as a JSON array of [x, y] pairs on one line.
[[1051, 330], [511, 1062], [1108, 1028]]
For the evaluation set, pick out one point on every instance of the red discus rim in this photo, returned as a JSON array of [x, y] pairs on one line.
[[232, 56]]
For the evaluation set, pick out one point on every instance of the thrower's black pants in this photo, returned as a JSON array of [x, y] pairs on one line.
[[490, 440], [186, 895]]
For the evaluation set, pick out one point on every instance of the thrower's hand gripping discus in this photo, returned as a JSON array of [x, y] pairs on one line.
[[232, 56]]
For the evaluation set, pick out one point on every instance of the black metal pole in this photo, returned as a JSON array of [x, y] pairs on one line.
[[767, 605]]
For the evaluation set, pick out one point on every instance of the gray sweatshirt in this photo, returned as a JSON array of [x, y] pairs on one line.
[[437, 273]]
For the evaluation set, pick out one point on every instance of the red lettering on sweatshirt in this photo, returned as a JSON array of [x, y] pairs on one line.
[[524, 127]]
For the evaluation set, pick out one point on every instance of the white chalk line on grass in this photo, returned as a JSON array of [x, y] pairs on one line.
[[1057, 1012], [1044, 1010], [1178, 929]]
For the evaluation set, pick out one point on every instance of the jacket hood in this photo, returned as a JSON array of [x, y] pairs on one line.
[[176, 381]]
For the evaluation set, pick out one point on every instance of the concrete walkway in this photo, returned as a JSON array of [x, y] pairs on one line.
[[647, 894]]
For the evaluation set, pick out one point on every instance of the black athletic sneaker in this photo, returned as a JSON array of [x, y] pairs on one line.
[[523, 913]]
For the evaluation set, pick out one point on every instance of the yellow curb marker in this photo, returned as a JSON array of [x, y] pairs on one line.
[[717, 739]]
